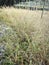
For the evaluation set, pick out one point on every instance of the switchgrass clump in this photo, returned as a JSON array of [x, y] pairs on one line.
[[24, 37]]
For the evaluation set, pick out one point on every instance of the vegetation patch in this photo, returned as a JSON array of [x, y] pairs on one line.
[[24, 37]]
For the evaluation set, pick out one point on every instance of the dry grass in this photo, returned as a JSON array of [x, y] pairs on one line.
[[30, 29]]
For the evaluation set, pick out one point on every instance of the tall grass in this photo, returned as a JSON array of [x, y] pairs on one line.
[[26, 42]]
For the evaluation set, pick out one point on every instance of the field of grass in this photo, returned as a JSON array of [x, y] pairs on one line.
[[24, 37]]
